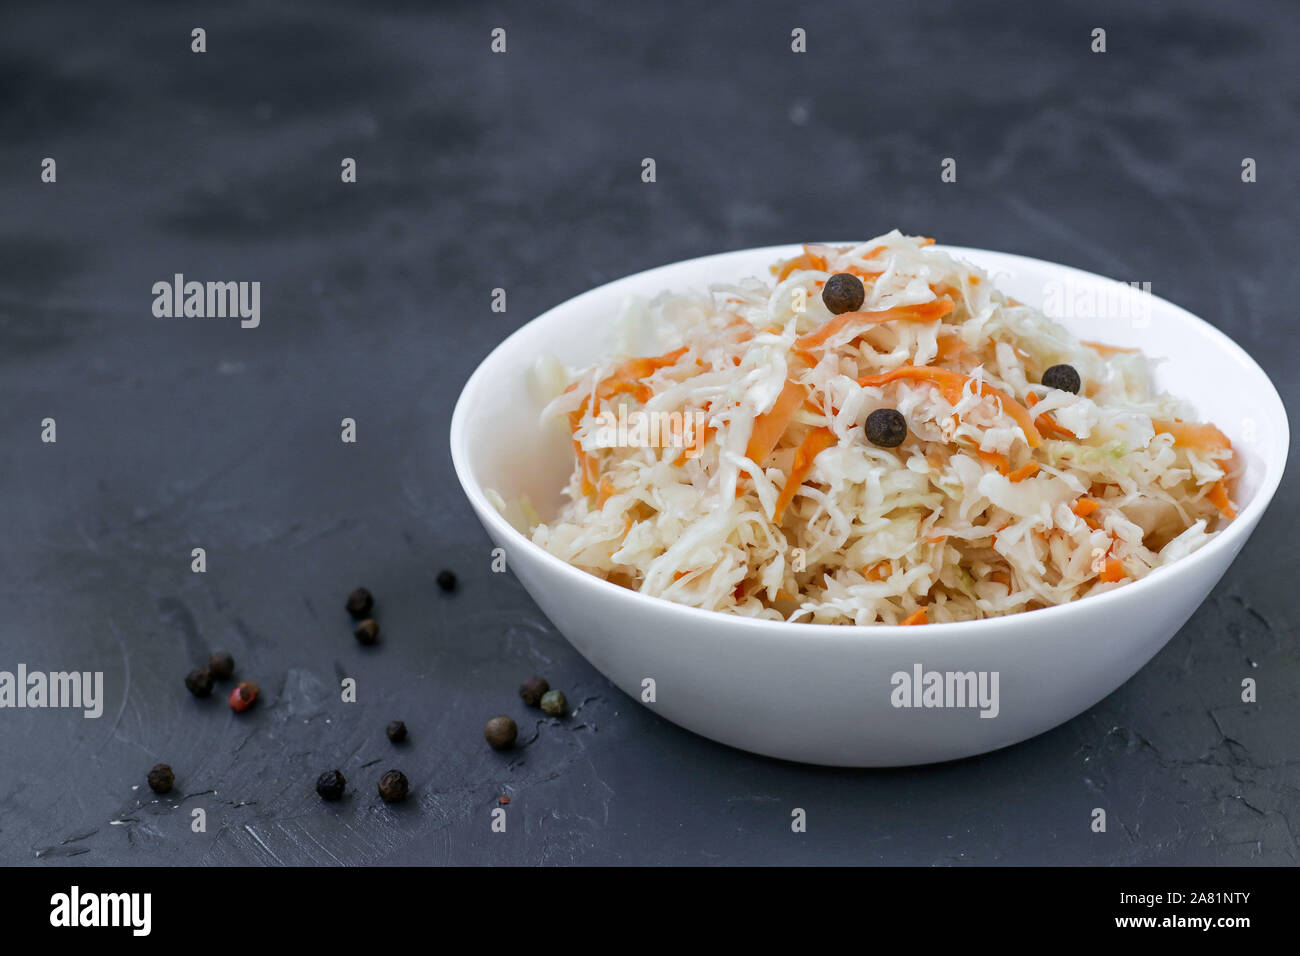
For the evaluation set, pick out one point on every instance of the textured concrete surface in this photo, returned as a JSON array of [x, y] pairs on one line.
[[522, 171]]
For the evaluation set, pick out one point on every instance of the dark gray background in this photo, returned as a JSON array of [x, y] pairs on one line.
[[522, 170]]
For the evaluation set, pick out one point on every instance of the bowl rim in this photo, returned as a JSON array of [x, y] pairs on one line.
[[1232, 537]]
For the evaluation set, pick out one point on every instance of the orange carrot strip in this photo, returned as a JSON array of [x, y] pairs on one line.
[[925, 312], [951, 384], [1112, 571], [606, 489], [1046, 423], [877, 572], [625, 379], [952, 348], [818, 440], [1000, 577], [1218, 497], [916, 617], [999, 461], [1202, 437], [872, 253], [807, 260], [1028, 471], [1084, 507], [770, 426]]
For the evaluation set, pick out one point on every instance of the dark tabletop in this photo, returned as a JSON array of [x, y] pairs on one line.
[[522, 171]]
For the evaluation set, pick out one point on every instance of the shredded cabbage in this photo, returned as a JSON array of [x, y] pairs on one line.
[[1006, 495]]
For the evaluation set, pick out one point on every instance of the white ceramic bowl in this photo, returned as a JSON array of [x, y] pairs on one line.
[[820, 693]]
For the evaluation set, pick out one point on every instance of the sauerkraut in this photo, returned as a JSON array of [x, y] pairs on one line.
[[729, 470]]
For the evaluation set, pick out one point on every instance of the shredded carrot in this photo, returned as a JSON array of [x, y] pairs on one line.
[[936, 538], [808, 260], [1218, 497], [1201, 437], [952, 348], [589, 467], [1112, 571], [872, 253], [925, 312], [1027, 471], [606, 490], [996, 459], [1000, 577], [818, 440], [863, 274], [1049, 425], [916, 617], [625, 379], [783, 595], [769, 427], [1084, 507], [878, 571], [951, 384]]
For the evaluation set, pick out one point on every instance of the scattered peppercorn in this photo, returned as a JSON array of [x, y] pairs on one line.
[[242, 697], [843, 293], [393, 786], [553, 703], [161, 778], [222, 665], [532, 690], [199, 682], [447, 580], [396, 731], [330, 785], [1062, 377], [367, 632], [886, 427], [360, 603], [500, 732]]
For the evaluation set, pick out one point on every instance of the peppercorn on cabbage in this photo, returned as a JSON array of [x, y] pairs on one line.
[[1006, 495]]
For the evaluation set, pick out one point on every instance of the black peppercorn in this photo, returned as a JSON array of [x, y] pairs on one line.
[[886, 427], [396, 731], [199, 682], [222, 665], [553, 703], [500, 732], [447, 580], [367, 632], [330, 785], [532, 690], [393, 786], [161, 778], [360, 603], [1062, 377], [843, 293]]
